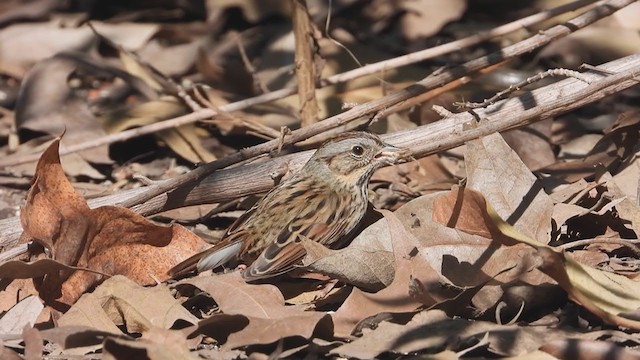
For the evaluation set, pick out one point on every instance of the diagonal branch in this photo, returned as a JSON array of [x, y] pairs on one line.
[[332, 80], [210, 186], [455, 130], [430, 82]]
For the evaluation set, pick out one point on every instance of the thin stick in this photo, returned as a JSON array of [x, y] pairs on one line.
[[374, 106], [515, 87], [631, 244], [335, 79], [437, 92], [455, 45], [235, 182], [424, 140], [253, 126], [305, 64]]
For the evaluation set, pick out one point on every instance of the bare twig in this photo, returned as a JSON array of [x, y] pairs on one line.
[[374, 106], [305, 64], [253, 126], [184, 95], [515, 87], [416, 100], [424, 140], [595, 68], [327, 34], [631, 244], [284, 131], [443, 112], [453, 131], [220, 209], [454, 46], [339, 78]]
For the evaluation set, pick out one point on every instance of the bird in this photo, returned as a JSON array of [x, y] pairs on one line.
[[324, 201]]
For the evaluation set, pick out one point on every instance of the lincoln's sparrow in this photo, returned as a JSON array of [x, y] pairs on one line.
[[323, 202]]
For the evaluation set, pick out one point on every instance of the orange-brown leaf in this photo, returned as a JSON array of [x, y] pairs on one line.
[[108, 240]]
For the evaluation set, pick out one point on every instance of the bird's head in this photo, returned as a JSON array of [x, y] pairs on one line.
[[353, 157]]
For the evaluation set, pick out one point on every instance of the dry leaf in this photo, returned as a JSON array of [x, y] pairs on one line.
[[77, 340], [183, 140], [114, 348], [15, 269], [563, 212], [16, 291], [46, 103], [88, 313], [434, 330], [613, 298], [627, 180], [617, 145], [467, 259], [587, 349], [365, 263], [626, 209], [234, 296], [8, 354], [24, 313], [425, 18], [234, 331], [110, 240], [495, 170], [175, 340], [163, 58], [532, 144], [415, 284], [22, 45], [33, 346], [54, 213], [120, 302], [262, 317]]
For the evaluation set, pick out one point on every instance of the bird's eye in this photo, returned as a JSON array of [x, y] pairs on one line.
[[357, 150]]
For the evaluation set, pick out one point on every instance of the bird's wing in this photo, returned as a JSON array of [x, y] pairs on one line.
[[230, 246], [283, 254]]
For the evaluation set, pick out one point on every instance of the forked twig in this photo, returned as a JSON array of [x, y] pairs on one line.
[[515, 87]]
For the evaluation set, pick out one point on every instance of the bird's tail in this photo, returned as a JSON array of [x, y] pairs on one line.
[[209, 259]]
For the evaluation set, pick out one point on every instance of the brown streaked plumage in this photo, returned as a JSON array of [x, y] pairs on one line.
[[324, 201]]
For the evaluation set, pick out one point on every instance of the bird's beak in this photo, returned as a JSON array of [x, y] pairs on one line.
[[392, 154]]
